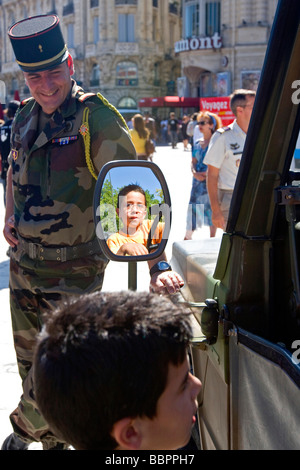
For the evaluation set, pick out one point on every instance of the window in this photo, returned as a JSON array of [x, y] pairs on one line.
[[126, 28], [201, 18], [212, 18], [125, 2], [71, 35], [96, 31], [192, 21], [127, 103], [68, 9], [95, 76], [127, 74], [38, 9]]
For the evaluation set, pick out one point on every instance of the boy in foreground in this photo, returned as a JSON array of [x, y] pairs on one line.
[[112, 373]]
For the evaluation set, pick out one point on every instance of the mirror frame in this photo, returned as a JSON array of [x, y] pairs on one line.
[[97, 220]]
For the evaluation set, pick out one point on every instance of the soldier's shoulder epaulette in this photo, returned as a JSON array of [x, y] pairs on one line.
[[24, 102], [84, 96], [221, 130], [104, 102]]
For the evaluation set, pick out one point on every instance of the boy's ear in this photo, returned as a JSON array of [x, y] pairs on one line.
[[127, 434]]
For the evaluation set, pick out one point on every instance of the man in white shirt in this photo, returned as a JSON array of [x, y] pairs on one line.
[[224, 155]]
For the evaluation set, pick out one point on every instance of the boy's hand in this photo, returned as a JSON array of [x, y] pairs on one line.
[[168, 282], [132, 249]]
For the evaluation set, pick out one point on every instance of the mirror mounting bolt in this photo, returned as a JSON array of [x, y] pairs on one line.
[[210, 319]]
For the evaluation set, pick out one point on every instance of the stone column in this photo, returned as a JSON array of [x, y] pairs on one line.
[[193, 75], [245, 12], [261, 8], [141, 29], [111, 26]]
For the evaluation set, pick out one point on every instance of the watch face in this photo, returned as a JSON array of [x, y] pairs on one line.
[[163, 265]]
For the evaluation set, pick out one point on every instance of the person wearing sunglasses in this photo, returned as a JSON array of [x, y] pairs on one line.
[[224, 155], [199, 210]]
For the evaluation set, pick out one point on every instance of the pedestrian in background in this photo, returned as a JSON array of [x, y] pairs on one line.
[[139, 135], [191, 127], [199, 210], [173, 127], [224, 155], [197, 135], [150, 124], [164, 131], [185, 136], [5, 133]]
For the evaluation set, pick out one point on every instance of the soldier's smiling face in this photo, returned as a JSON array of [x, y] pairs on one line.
[[51, 87]]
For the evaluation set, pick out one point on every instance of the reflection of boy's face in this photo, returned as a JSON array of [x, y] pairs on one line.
[[132, 209]]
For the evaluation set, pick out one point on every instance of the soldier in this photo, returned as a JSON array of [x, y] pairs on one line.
[[60, 140], [224, 155]]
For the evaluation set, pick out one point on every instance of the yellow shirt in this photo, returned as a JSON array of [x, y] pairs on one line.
[[138, 142], [116, 240]]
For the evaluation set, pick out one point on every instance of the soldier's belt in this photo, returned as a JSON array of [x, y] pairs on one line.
[[59, 253]]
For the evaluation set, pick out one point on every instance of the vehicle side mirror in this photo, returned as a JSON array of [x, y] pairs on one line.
[[132, 210]]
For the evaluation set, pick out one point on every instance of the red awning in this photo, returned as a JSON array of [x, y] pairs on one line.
[[159, 101], [169, 101], [181, 102], [145, 103]]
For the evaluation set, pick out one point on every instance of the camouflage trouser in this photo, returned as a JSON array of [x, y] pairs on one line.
[[36, 287]]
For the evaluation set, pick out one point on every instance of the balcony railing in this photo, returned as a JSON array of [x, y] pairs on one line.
[[125, 2]]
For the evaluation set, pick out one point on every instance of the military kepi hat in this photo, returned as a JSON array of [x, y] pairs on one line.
[[38, 43]]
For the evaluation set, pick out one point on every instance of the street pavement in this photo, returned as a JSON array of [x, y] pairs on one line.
[[175, 165]]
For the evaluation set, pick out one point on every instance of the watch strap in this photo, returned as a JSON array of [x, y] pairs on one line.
[[155, 269]]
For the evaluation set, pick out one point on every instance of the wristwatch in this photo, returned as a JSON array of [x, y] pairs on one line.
[[161, 266]]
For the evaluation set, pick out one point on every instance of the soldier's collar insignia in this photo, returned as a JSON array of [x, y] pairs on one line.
[[14, 154]]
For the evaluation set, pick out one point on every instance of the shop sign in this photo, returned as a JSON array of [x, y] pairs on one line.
[[218, 105], [194, 44]]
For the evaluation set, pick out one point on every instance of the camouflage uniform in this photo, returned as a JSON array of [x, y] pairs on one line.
[[57, 254]]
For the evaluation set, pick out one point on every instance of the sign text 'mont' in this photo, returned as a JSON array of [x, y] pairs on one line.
[[193, 44]]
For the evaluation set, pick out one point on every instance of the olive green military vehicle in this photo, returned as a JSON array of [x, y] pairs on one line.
[[244, 291]]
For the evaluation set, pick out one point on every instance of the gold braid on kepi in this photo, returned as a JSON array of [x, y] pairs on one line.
[[85, 132]]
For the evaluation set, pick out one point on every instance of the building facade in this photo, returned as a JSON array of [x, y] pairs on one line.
[[132, 49], [223, 45], [122, 48]]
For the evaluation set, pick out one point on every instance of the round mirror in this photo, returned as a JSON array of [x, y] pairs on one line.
[[132, 210]]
